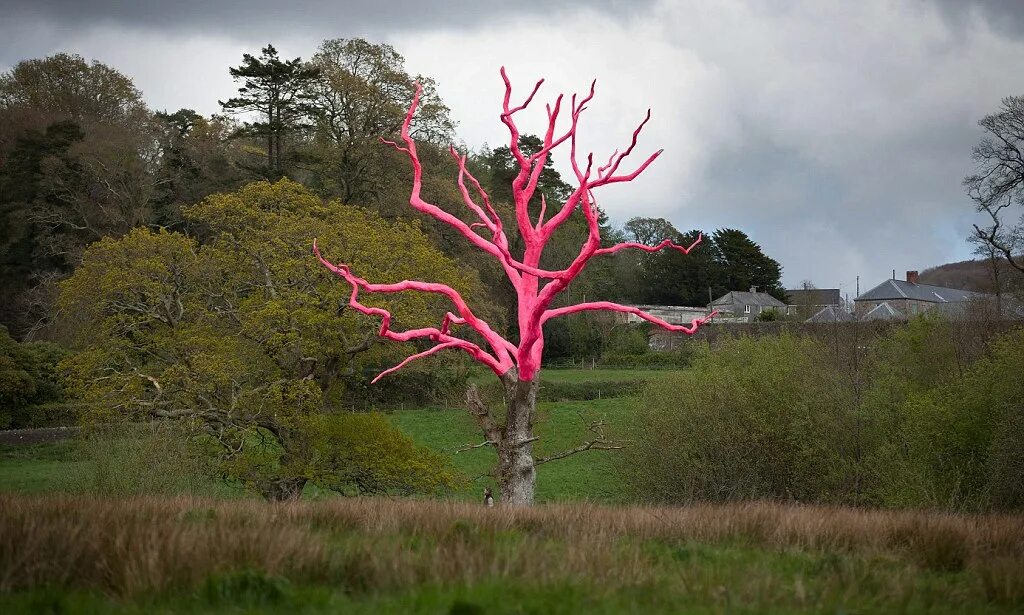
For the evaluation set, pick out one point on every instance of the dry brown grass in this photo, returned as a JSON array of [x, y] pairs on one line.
[[125, 547]]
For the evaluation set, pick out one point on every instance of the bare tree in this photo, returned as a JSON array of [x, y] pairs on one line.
[[997, 186], [511, 430]]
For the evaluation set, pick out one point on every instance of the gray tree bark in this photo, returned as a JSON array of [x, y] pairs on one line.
[[516, 471]]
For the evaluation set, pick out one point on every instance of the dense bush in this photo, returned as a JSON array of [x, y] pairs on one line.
[[647, 360], [29, 385], [927, 421], [755, 418], [141, 459], [361, 453], [946, 434]]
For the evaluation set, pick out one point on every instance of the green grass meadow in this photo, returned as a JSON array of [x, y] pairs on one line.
[[580, 550]]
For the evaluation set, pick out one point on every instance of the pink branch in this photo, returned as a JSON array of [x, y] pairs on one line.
[[534, 301], [418, 355], [500, 345], [609, 169], [667, 243], [466, 197], [428, 208], [628, 309]]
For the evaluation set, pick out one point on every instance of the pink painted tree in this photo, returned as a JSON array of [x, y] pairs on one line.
[[516, 365]]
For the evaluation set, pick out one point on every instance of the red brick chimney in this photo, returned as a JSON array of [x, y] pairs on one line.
[[912, 277]]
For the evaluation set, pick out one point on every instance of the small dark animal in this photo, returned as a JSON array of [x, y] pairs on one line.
[[488, 498]]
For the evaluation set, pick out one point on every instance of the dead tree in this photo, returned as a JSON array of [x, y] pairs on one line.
[[516, 365]]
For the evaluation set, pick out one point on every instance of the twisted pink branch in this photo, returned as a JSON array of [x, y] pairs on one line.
[[667, 243], [525, 273], [500, 362], [608, 306]]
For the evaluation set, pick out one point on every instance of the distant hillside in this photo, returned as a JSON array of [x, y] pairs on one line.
[[973, 275]]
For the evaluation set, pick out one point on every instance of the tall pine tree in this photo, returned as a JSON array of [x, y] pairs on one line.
[[275, 90]]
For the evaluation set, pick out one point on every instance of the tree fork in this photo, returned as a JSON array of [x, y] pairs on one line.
[[516, 365]]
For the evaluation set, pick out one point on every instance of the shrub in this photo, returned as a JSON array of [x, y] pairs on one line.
[[363, 453], [755, 418], [141, 459], [28, 379], [648, 360], [945, 433]]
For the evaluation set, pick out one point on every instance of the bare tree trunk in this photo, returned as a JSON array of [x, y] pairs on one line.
[[516, 471], [517, 474], [270, 135]]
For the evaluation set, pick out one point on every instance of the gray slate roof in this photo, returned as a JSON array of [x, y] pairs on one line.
[[748, 298], [983, 307], [831, 314], [901, 289], [814, 296], [884, 311]]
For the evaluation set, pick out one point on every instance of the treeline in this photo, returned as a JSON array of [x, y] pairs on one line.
[[82, 158], [168, 256], [929, 414]]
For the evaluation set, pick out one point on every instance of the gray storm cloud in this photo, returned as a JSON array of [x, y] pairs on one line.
[[835, 134]]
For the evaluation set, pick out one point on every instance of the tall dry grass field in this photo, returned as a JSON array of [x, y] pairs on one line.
[[757, 554]]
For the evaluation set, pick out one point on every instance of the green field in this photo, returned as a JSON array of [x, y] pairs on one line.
[[560, 425], [36, 468], [579, 550]]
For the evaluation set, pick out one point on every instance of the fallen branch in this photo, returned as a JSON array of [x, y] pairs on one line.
[[600, 443]]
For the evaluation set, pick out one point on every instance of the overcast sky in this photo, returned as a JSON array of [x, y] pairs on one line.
[[834, 133]]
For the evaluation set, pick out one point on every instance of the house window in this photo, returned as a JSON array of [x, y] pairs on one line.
[[746, 309]]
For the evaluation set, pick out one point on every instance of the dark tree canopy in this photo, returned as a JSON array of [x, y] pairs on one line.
[[725, 260], [745, 265]]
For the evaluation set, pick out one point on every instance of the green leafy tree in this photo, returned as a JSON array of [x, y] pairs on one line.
[[274, 89], [28, 379], [359, 96], [649, 231], [77, 162], [246, 338], [65, 86]]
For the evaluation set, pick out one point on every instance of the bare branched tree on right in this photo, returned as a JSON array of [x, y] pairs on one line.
[[997, 185]]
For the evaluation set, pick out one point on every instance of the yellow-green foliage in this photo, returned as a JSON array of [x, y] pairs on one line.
[[373, 457], [244, 332]]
